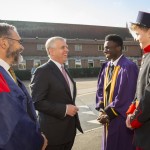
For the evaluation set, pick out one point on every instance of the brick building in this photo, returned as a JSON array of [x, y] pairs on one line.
[[85, 43]]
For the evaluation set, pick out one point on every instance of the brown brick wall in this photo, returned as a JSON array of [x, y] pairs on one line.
[[89, 50], [84, 63], [71, 63]]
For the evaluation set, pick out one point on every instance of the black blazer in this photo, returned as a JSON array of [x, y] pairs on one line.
[[50, 94]]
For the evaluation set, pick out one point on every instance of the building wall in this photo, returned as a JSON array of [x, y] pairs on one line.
[[89, 51]]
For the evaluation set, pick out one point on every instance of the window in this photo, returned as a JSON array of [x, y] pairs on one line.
[[100, 47], [101, 62], [22, 65], [90, 63], [78, 47], [78, 63], [66, 64], [125, 48], [36, 63], [40, 47], [135, 61]]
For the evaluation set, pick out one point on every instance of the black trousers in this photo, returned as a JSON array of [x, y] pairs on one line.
[[66, 146]]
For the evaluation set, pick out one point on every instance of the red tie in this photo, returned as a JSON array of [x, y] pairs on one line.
[[65, 75]]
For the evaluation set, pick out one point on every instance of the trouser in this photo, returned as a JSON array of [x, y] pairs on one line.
[[65, 146]]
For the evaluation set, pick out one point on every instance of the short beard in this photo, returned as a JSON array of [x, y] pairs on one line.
[[14, 54]]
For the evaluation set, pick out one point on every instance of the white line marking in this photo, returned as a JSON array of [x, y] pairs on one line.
[[91, 130], [83, 106], [88, 112], [93, 121]]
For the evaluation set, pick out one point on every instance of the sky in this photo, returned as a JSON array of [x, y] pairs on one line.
[[88, 12]]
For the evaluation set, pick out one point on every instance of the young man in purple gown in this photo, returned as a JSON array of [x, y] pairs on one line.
[[115, 91]]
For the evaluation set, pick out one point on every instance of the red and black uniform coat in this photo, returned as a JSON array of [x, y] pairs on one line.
[[140, 119]]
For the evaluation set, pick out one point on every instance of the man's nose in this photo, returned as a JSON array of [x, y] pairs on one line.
[[22, 48], [105, 50], [67, 49]]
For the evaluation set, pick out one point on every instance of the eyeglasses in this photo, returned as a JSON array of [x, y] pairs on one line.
[[20, 41]]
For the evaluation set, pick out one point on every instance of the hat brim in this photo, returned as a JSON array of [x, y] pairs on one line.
[[139, 24]]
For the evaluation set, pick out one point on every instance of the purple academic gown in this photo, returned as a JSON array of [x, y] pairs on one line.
[[19, 129], [122, 91]]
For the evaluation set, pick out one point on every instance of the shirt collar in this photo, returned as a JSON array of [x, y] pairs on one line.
[[56, 63], [116, 61], [4, 64]]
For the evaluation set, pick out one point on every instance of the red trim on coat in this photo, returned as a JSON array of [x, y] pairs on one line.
[[138, 148], [131, 109], [147, 49], [135, 123], [3, 84]]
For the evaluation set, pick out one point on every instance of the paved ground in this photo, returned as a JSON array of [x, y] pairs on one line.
[[91, 139]]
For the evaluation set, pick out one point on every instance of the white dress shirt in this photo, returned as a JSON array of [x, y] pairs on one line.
[[70, 82], [6, 66], [116, 61]]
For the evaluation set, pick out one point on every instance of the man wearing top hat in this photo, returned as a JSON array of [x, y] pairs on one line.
[[139, 118]]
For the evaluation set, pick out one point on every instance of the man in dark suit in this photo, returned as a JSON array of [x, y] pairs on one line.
[[19, 129], [54, 91]]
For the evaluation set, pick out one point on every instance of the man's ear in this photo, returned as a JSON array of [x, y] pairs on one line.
[[119, 48], [4, 43], [51, 52]]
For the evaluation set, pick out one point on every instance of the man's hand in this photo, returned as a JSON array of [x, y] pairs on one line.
[[128, 122], [103, 118], [71, 110], [45, 142]]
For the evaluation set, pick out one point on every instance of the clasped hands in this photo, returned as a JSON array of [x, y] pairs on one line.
[[103, 118], [128, 124]]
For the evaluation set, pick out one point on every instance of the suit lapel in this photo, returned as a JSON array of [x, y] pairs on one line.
[[59, 75], [22, 97], [29, 104], [74, 84], [15, 90]]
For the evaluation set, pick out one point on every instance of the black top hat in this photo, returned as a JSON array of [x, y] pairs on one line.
[[143, 19]]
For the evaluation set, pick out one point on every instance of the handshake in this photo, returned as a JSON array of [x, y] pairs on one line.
[[103, 118]]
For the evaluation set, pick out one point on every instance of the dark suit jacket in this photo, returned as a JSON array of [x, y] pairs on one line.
[[51, 93], [19, 129]]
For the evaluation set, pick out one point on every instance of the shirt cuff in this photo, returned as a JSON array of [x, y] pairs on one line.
[[66, 111]]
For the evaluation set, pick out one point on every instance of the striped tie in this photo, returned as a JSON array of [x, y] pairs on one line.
[[110, 71], [65, 75]]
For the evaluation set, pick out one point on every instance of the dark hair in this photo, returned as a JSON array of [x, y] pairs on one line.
[[115, 38], [5, 29]]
